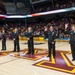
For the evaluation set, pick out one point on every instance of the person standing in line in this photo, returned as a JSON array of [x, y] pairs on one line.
[[51, 42], [29, 36], [16, 40], [3, 40], [72, 41]]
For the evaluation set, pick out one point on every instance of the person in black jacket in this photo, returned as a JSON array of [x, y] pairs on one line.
[[72, 42], [3, 40], [16, 41], [51, 42], [29, 36]]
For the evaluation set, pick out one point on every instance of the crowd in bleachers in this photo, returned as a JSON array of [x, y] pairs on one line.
[[55, 6], [62, 27]]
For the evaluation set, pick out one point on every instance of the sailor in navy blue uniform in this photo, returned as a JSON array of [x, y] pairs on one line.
[[16, 41], [51, 42], [72, 42], [3, 40], [29, 36]]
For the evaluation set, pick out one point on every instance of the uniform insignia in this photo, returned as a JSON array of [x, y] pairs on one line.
[[53, 33]]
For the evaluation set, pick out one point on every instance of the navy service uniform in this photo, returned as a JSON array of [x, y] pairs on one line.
[[51, 47], [16, 42], [4, 41], [72, 43], [30, 43]]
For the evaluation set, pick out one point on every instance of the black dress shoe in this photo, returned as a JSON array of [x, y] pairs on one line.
[[4, 49], [1, 49], [32, 53], [48, 56], [73, 59], [13, 51], [28, 53], [53, 56], [18, 51]]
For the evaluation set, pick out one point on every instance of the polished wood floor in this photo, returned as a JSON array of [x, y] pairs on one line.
[[18, 66]]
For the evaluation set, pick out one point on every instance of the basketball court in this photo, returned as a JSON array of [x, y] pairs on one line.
[[21, 64]]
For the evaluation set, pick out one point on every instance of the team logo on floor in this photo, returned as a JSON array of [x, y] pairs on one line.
[[60, 63]]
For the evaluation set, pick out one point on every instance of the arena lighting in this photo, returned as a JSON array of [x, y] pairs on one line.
[[2, 16], [39, 14]]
